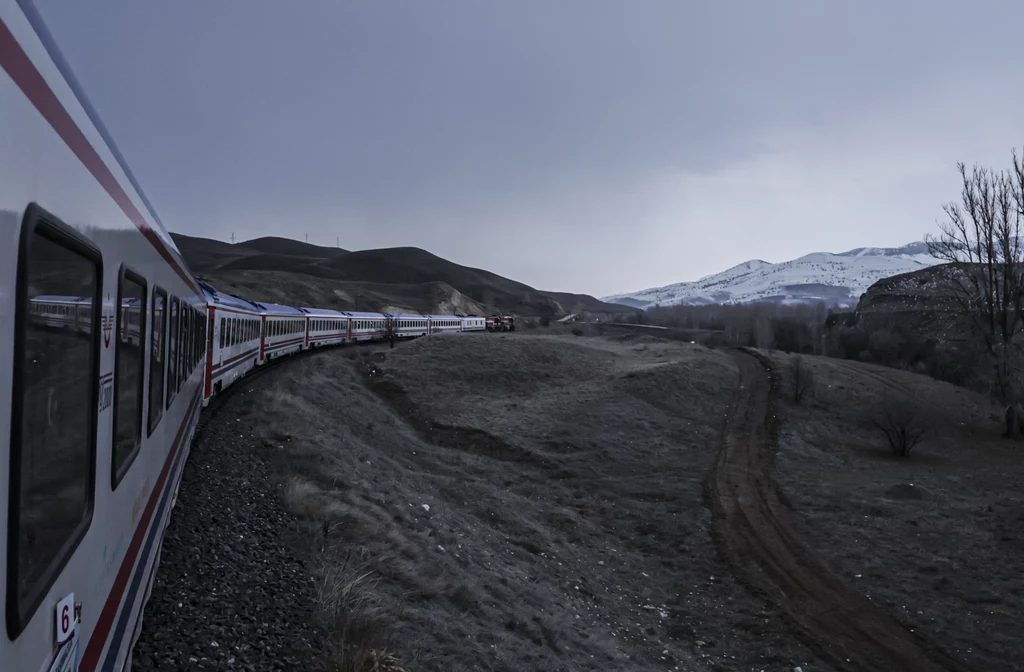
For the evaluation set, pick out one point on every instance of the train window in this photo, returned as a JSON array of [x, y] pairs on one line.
[[156, 358], [190, 357], [53, 420], [128, 374], [172, 351], [183, 344], [223, 331]]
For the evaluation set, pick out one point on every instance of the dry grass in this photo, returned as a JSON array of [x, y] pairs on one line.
[[935, 538], [536, 502], [349, 611]]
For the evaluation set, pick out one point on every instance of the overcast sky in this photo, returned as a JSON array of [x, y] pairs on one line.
[[575, 145]]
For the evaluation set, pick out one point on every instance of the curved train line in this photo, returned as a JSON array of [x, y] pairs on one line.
[[113, 347]]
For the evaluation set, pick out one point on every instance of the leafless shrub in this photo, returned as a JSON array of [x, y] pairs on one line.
[[802, 378], [900, 420]]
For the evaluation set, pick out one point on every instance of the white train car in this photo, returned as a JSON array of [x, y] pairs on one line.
[[236, 339], [442, 323], [364, 327], [325, 327], [94, 429], [284, 331], [55, 312], [411, 325], [474, 323]]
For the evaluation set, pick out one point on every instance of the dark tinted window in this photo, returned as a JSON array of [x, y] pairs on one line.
[[128, 375], [185, 343], [54, 419], [172, 352], [156, 359]]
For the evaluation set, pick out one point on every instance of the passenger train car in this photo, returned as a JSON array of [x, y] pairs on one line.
[[111, 347]]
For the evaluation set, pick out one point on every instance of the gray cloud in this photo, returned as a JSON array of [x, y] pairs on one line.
[[577, 145]]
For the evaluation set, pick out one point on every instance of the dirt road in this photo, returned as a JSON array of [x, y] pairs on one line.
[[755, 534]]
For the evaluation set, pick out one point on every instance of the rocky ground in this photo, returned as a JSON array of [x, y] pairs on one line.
[[234, 590]]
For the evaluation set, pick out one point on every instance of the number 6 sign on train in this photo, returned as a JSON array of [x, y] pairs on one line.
[[65, 618]]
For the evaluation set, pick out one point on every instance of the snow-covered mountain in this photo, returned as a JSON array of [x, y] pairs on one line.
[[837, 279]]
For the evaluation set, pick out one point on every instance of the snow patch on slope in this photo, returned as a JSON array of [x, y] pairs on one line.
[[837, 279]]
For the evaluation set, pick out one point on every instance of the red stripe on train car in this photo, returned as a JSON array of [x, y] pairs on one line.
[[234, 359], [17, 64], [91, 655]]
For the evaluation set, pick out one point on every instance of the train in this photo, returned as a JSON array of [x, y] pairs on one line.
[[112, 346]]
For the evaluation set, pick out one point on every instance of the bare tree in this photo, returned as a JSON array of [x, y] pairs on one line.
[[802, 377], [900, 420], [981, 240], [764, 337]]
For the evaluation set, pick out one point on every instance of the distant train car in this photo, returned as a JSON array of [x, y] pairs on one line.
[[411, 325], [325, 327], [62, 312], [236, 337], [440, 323], [364, 327], [284, 330], [474, 323]]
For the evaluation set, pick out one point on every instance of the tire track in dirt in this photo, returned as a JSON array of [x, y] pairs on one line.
[[763, 548], [885, 381]]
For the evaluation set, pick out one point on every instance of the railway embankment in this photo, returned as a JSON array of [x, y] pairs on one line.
[[234, 589]]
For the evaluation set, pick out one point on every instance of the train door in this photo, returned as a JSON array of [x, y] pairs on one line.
[[212, 332]]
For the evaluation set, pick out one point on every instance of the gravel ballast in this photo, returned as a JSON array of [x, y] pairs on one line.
[[232, 591]]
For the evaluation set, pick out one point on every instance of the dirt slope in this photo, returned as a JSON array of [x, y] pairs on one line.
[[850, 631], [528, 503]]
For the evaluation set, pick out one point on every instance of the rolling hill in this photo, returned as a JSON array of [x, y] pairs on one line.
[[391, 279]]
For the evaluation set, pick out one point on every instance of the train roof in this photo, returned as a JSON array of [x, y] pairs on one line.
[[215, 296], [278, 309], [322, 312], [356, 313]]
